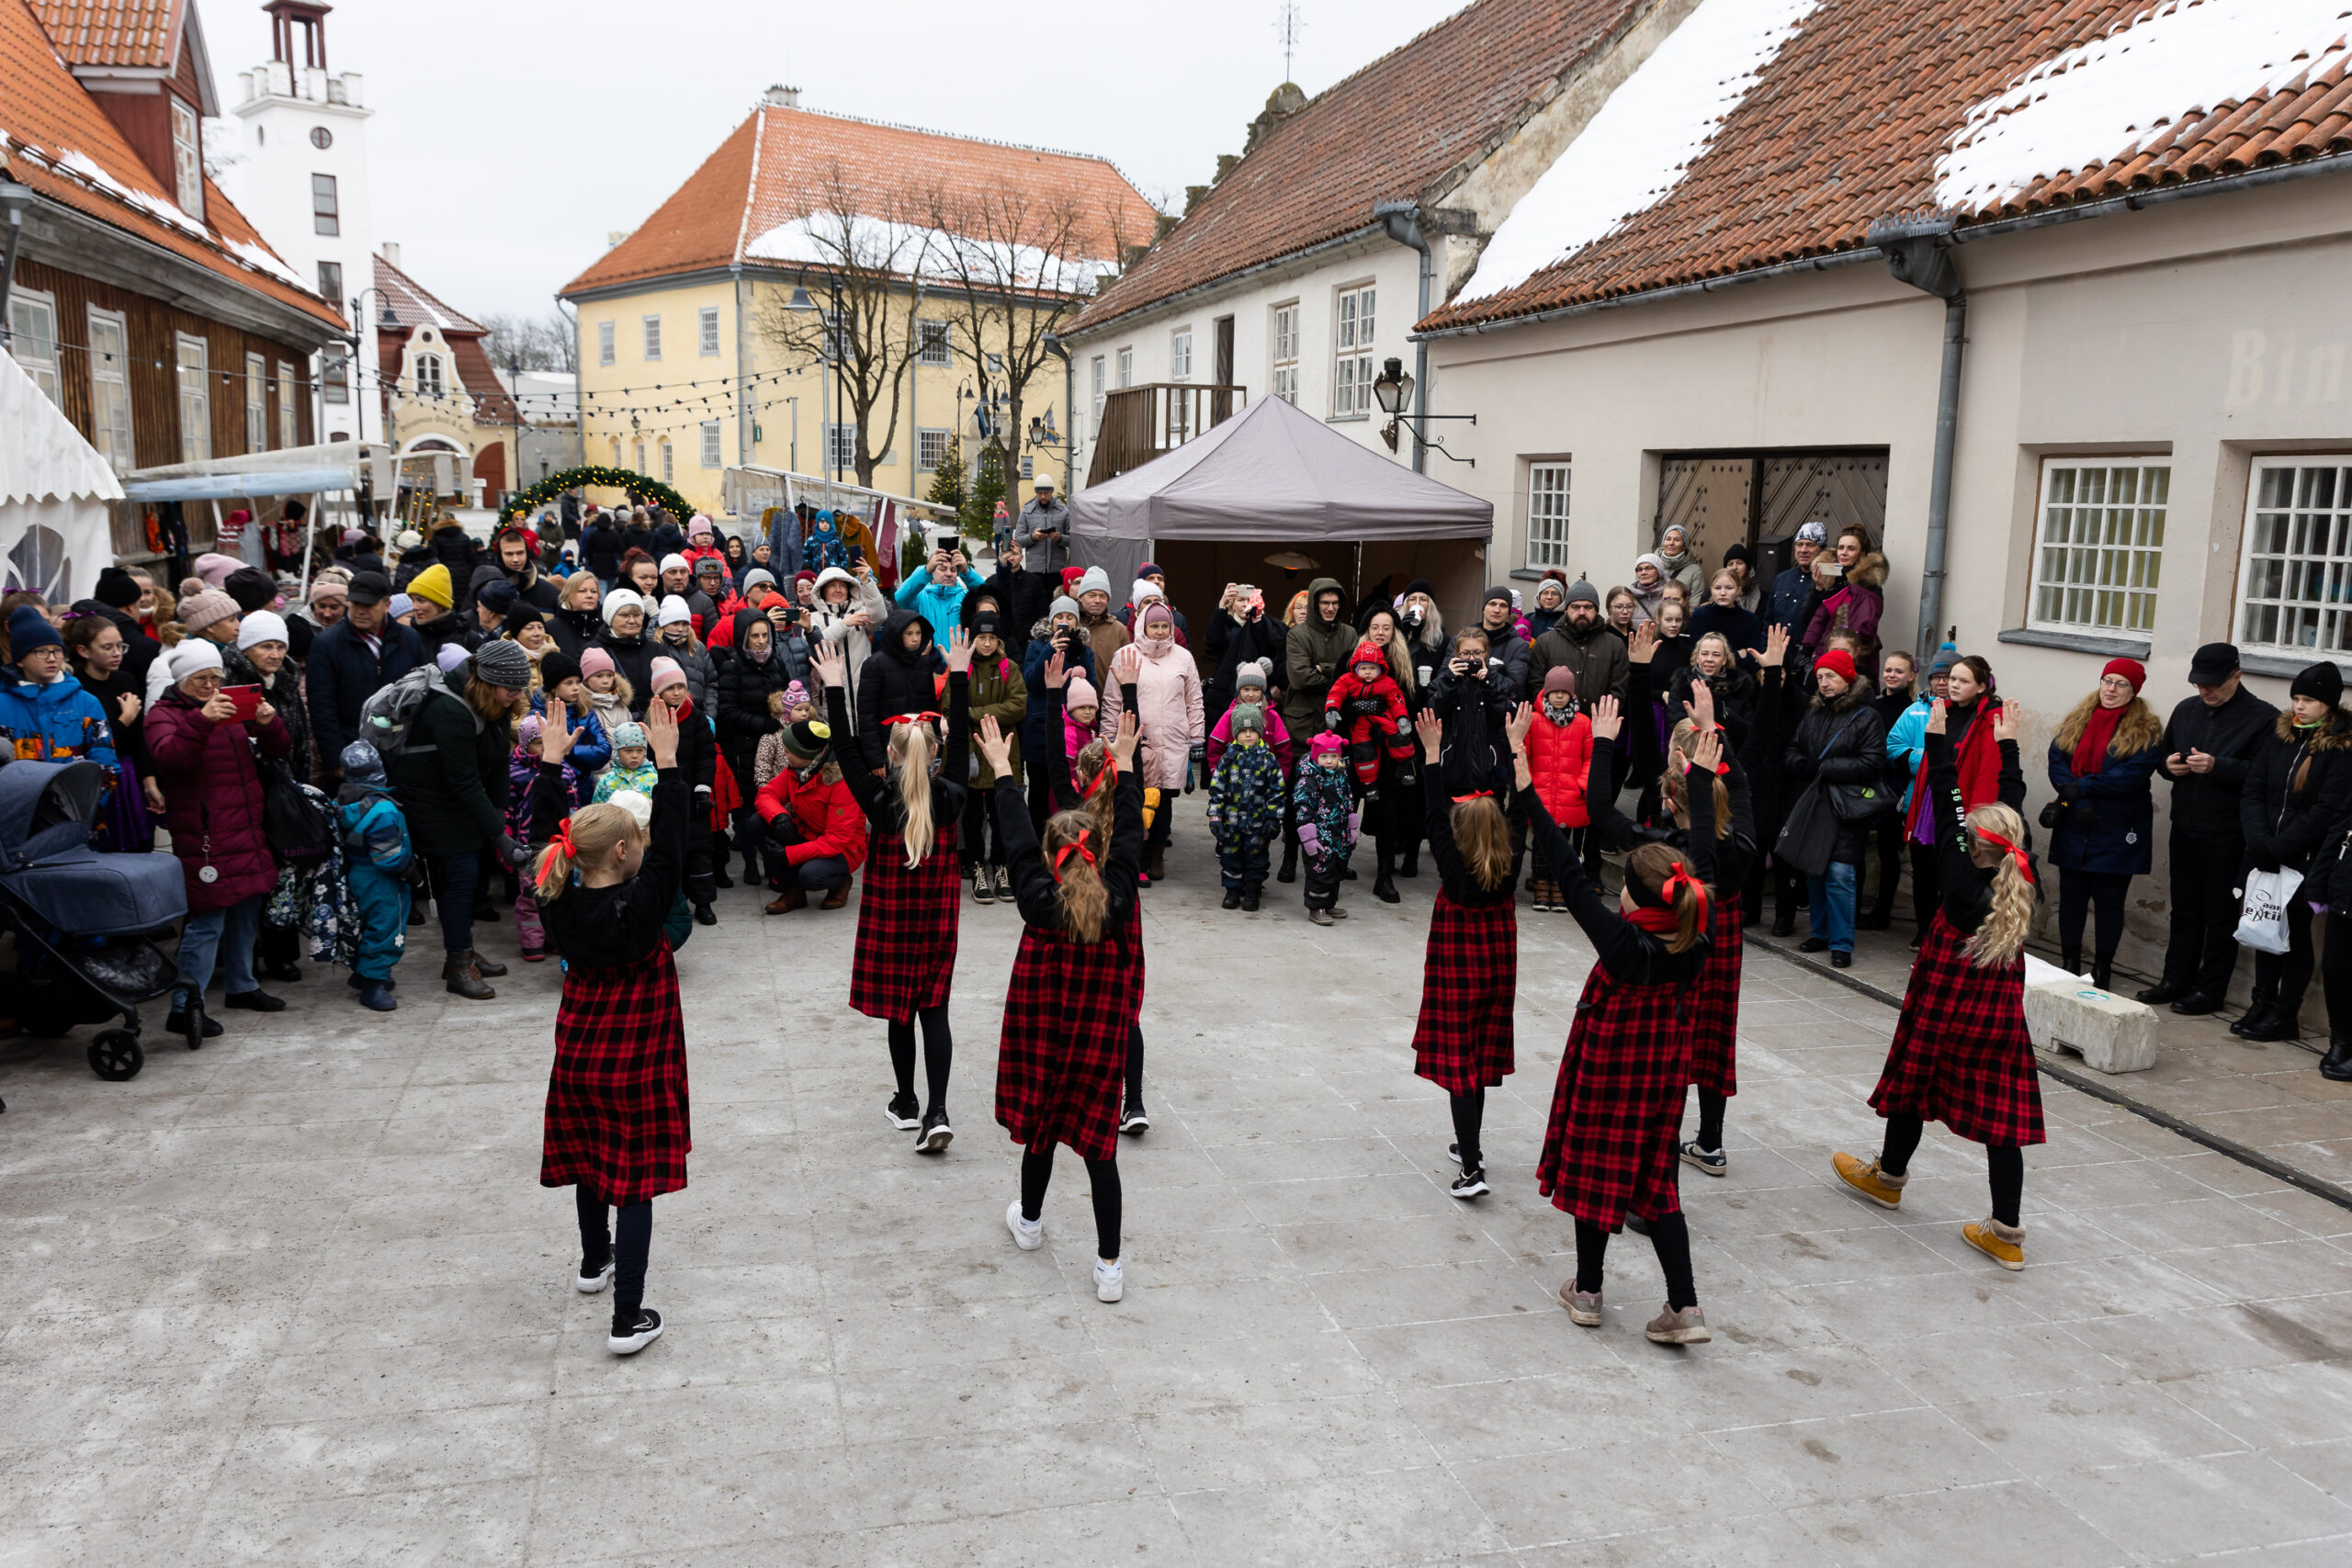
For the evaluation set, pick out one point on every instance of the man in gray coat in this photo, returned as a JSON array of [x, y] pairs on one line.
[[1043, 530]]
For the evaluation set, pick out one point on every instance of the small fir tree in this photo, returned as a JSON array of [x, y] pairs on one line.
[[947, 484], [987, 489]]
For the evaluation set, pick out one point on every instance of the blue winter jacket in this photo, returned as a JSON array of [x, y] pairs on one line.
[[2116, 802], [941, 604], [52, 722], [1791, 604], [374, 832]]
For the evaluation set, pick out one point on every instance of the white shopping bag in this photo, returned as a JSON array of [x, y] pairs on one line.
[[2263, 926]]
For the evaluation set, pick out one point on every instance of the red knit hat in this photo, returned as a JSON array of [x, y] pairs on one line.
[[1368, 652], [2131, 670], [1838, 661]]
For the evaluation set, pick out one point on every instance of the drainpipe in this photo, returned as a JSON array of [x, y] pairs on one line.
[[1918, 252], [1402, 220]]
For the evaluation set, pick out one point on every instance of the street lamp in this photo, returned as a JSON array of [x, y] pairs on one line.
[[388, 321], [14, 199], [1393, 390]]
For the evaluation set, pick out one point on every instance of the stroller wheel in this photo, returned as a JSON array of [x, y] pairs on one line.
[[116, 1055]]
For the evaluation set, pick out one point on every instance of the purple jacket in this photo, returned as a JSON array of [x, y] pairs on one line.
[[1855, 605], [212, 799]]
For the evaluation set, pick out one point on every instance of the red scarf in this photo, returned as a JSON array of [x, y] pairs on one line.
[[1978, 756], [2090, 752], [1657, 921]]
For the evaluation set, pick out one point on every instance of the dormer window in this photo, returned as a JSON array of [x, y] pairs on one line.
[[429, 383], [187, 159]]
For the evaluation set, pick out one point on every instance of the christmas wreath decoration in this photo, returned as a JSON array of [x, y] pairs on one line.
[[549, 489]]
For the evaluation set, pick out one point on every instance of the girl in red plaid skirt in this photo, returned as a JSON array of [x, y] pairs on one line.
[[1463, 1041], [907, 920], [616, 1127], [1608, 1150], [1069, 1008], [1961, 1054]]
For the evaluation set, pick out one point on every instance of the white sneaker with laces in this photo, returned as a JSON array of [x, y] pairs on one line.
[[1110, 1283], [1027, 1235]]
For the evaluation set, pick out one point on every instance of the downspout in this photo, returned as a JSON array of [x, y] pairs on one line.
[[1918, 252], [1402, 220]]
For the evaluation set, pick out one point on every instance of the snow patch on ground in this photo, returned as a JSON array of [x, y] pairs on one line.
[[2093, 104], [1638, 146]]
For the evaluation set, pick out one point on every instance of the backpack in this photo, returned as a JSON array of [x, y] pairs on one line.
[[386, 716]]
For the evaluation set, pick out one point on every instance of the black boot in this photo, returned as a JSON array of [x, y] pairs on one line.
[[1411, 864], [2070, 959], [1232, 898], [1384, 886], [2337, 1064], [189, 1021], [2256, 1010], [2103, 971], [1289, 872], [2281, 1022], [1251, 894]]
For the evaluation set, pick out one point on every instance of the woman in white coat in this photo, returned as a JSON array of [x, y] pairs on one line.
[[1168, 715], [847, 613]]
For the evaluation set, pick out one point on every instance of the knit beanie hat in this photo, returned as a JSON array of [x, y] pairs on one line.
[[29, 629], [627, 733], [556, 667], [1143, 589], [760, 577], [1093, 580], [698, 528], [1838, 661], [2129, 669], [1325, 741], [215, 567], [527, 733], [1368, 652], [499, 594], [808, 738], [1947, 658], [1560, 678], [451, 657], [262, 625], [709, 565], [596, 662], [796, 695], [432, 585], [1582, 592], [400, 605], [674, 611], [251, 588], [2323, 680], [327, 588], [677, 560], [117, 589], [1501, 591], [1081, 694], [192, 656], [1248, 716], [503, 664], [1813, 532], [798, 578], [621, 599], [198, 611], [667, 673], [1250, 675], [1064, 605]]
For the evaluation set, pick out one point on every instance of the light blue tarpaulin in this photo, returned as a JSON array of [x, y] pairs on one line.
[[230, 486]]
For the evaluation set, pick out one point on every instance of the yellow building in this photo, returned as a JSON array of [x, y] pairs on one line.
[[702, 332]]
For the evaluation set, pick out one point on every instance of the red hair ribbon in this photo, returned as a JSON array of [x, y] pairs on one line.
[[910, 718], [1075, 847], [1110, 775], [1679, 878], [563, 839], [2025, 861], [1473, 795]]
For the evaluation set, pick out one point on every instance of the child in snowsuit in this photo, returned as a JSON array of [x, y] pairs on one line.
[[376, 854], [1250, 686], [1366, 707], [1246, 805], [630, 769], [826, 546], [1326, 825], [1559, 757]]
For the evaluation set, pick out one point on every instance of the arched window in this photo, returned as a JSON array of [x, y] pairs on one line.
[[617, 451], [666, 472], [429, 380]]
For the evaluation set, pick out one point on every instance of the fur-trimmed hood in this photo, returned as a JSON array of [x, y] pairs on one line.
[[1869, 571], [2335, 733]]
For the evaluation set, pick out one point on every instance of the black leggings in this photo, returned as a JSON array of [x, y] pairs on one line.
[[625, 1246], [1469, 1115], [938, 1053], [980, 820], [1037, 1168], [2004, 1165], [2078, 892], [1134, 1066], [1669, 1233], [1711, 1120]]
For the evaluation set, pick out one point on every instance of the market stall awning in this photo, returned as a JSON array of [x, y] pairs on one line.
[[291, 470], [227, 487]]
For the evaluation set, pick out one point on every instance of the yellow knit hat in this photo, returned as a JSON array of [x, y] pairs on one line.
[[433, 583]]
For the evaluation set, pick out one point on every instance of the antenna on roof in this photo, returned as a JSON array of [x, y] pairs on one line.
[[1289, 22]]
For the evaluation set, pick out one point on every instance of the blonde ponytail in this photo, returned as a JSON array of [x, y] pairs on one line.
[[911, 766], [2001, 937], [1084, 902], [1676, 784], [591, 833], [1652, 865]]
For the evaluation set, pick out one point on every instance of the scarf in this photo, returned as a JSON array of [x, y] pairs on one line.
[[1657, 923], [1979, 759], [2090, 752]]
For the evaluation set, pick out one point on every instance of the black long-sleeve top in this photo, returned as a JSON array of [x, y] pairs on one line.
[[601, 927], [1034, 890], [1062, 795], [1967, 886], [1631, 955], [1465, 764], [885, 811], [1735, 851]]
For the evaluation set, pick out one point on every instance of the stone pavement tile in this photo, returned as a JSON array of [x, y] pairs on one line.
[[2269, 1270], [1403, 1517], [2159, 1228], [1381, 1298], [1254, 1372], [927, 1481], [959, 1277], [2307, 1213], [2051, 1236], [1203, 1312], [1873, 1313], [1486, 1349], [455, 1256], [1951, 1367], [2327, 1466], [2106, 1289], [1849, 1458], [191, 1150], [965, 1401], [1819, 1257], [404, 1452], [1280, 1123], [1172, 1253], [57, 1484], [2167, 1346], [1316, 1159], [1756, 1540], [1126, 1529], [1773, 1387], [1306, 1201], [749, 1352], [2006, 1525], [2171, 1506], [2089, 1428], [393, 1313], [870, 1338], [1337, 1246], [2275, 1407], [482, 1522], [1609, 1489], [1242, 1446], [384, 1381], [684, 1510], [1596, 1404]]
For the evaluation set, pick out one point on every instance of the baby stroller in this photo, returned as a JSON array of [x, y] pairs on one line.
[[83, 919]]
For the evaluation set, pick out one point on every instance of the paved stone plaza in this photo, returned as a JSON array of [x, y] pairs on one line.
[[300, 1299]]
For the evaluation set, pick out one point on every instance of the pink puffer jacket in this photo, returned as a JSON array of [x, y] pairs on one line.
[[1168, 709], [212, 799]]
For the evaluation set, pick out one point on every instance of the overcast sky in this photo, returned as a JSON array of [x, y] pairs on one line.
[[509, 138]]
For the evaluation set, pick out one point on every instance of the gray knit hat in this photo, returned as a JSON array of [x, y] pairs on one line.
[[1247, 674], [503, 664], [1581, 591]]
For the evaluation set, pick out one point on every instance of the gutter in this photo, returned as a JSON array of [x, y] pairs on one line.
[[1401, 221], [1288, 258], [1918, 252]]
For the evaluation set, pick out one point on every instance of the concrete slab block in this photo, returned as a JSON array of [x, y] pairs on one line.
[[2066, 1013]]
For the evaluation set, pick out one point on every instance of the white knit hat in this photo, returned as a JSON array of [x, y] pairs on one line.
[[673, 610], [192, 655], [677, 560], [262, 625], [621, 599]]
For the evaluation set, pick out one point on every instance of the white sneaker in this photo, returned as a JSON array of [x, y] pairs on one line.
[[590, 1284], [1110, 1284], [635, 1337], [1027, 1235]]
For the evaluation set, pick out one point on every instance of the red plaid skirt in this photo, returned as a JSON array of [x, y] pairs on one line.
[[1469, 981], [1962, 1056], [1714, 1006], [1061, 1061], [616, 1096], [1610, 1146], [907, 919]]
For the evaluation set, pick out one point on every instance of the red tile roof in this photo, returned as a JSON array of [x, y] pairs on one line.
[[415, 307], [781, 164], [1847, 125], [1407, 125], [60, 142], [114, 32]]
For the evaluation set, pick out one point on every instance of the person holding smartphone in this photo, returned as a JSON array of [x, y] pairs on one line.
[[1240, 633]]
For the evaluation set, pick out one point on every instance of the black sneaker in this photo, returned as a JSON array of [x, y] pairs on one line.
[[256, 1001], [1814, 945], [936, 1134], [1135, 1119], [592, 1279], [704, 915], [177, 1022], [1471, 1184], [1232, 898], [627, 1339], [905, 1112]]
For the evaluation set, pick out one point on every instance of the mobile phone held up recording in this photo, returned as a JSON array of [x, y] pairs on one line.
[[247, 698]]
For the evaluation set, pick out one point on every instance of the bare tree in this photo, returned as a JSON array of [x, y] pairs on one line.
[[871, 263], [1014, 267], [540, 343]]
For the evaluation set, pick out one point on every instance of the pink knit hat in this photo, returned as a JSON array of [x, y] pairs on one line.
[[667, 673], [1079, 694], [1326, 740], [198, 611], [596, 662]]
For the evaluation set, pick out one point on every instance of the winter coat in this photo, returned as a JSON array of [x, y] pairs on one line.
[[575, 631], [1105, 634], [1326, 804], [1740, 628], [2287, 809], [1230, 644], [1854, 607], [1735, 694], [1023, 598], [1168, 714], [52, 722], [1043, 554], [374, 832], [996, 691], [701, 672], [1685, 570], [1838, 742], [2206, 805], [741, 706], [343, 673], [940, 605], [2110, 825], [616, 778], [592, 743], [284, 694], [821, 808], [1370, 717], [213, 800], [1791, 600], [1246, 797], [826, 547], [1559, 760], [1518, 657], [897, 680], [530, 588], [1044, 708], [453, 547], [450, 778], [856, 643], [1597, 659], [633, 656], [1277, 740], [1315, 654]]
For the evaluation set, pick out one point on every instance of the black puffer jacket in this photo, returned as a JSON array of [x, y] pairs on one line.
[[2288, 807], [742, 700], [1839, 741], [633, 656], [896, 680]]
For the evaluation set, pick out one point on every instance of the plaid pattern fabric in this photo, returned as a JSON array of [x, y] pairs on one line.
[[1061, 1061], [906, 930], [616, 1096], [1610, 1146], [1962, 1056], [1714, 1007], [1462, 1041]]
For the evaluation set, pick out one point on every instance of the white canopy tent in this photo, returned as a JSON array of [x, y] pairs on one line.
[[332, 468], [55, 534]]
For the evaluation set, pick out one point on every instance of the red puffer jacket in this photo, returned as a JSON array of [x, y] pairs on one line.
[[1559, 756], [823, 810], [212, 799]]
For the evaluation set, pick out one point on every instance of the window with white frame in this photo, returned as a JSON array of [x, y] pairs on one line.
[[285, 403], [706, 320], [1547, 515], [2100, 544], [326, 206], [1098, 392], [2295, 587], [931, 449], [605, 354], [110, 390], [1352, 375], [1126, 368], [187, 159], [617, 451], [334, 373], [256, 403], [430, 380], [652, 337], [710, 454], [1286, 341], [32, 338], [1028, 465], [668, 472], [637, 450], [932, 342], [195, 371], [841, 447], [1179, 354]]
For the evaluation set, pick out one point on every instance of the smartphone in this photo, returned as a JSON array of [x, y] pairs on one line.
[[247, 698]]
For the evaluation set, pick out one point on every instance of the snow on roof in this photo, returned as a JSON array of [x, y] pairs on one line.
[[1635, 150], [879, 244], [2087, 106]]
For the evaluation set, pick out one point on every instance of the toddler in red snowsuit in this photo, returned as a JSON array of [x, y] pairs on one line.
[[1367, 708]]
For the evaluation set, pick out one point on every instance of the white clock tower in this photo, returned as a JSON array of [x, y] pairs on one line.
[[300, 172]]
